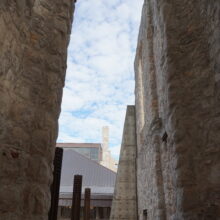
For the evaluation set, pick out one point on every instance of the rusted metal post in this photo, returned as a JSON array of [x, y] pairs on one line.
[[55, 187], [87, 197], [77, 189]]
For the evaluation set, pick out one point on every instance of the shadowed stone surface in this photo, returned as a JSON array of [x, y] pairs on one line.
[[33, 48], [124, 204], [178, 110]]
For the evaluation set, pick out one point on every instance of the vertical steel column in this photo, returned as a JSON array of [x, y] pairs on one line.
[[55, 187], [87, 196], [77, 189]]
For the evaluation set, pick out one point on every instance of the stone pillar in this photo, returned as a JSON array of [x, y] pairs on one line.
[[33, 39], [178, 96], [124, 205]]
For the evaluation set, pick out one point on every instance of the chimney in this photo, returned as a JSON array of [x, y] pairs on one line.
[[105, 138]]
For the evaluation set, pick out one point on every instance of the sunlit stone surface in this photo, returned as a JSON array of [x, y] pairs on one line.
[[178, 110], [124, 205]]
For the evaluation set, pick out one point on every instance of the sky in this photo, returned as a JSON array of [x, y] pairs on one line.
[[100, 71]]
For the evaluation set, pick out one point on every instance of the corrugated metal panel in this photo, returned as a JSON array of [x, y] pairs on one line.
[[72, 145], [94, 174]]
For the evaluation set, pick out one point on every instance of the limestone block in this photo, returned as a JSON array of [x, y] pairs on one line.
[[128, 152], [177, 83], [124, 209], [128, 138], [127, 171], [13, 163], [125, 190], [10, 198], [33, 39]]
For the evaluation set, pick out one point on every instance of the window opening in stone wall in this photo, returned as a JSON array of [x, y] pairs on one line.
[[145, 214]]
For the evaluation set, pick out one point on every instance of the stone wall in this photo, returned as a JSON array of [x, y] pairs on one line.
[[178, 110], [34, 36], [124, 205]]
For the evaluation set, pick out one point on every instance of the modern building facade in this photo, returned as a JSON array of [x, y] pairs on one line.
[[93, 151], [98, 152]]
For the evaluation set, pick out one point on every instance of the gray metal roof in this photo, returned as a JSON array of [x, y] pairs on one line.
[[95, 176], [72, 145]]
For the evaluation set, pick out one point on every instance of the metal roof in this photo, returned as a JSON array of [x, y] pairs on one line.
[[95, 176], [72, 145]]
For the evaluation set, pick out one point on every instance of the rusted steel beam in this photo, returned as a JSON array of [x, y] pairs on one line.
[[55, 187], [77, 190], [87, 197]]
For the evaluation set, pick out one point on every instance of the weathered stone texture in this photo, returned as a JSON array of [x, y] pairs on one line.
[[34, 36], [124, 205], [178, 110]]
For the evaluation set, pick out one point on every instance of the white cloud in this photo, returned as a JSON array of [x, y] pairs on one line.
[[69, 139], [100, 77]]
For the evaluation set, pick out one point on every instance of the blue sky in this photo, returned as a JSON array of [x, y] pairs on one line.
[[100, 73]]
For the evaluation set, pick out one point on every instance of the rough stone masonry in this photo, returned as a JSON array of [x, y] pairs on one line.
[[178, 110], [34, 36], [177, 74]]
